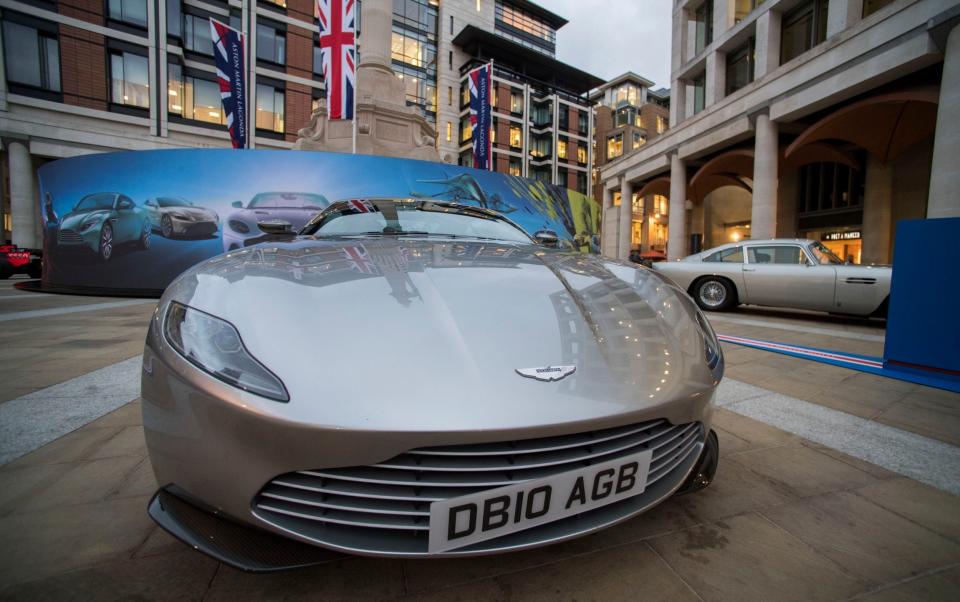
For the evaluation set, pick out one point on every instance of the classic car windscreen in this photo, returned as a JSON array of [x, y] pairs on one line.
[[379, 217], [824, 255], [95, 202]]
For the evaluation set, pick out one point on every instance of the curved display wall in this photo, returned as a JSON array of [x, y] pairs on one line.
[[132, 221]]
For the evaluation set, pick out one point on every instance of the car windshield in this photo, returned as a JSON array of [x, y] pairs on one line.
[[398, 217], [824, 255], [95, 202], [167, 201], [289, 200]]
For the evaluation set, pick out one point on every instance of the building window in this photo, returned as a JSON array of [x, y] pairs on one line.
[[541, 147], [271, 43], [133, 12], [661, 124], [872, 6], [704, 21], [615, 146], [449, 131], [129, 80], [829, 187], [563, 119], [464, 95], [174, 18], [638, 140], [466, 130], [581, 154], [803, 28], [582, 182], [515, 168], [516, 102], [515, 137], [699, 93], [524, 28], [192, 97], [562, 149], [449, 96], [742, 8], [583, 122], [196, 34], [32, 57], [740, 66], [317, 60], [627, 94], [269, 108]]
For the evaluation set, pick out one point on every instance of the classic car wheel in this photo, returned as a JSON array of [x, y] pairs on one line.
[[166, 227], [145, 236], [106, 242], [714, 294]]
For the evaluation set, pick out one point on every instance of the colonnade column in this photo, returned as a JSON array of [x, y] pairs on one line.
[[763, 215], [626, 219], [23, 197], [945, 170], [877, 212], [677, 222]]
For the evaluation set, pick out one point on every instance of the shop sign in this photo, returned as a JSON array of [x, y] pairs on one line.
[[845, 235]]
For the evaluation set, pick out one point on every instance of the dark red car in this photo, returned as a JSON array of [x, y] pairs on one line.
[[14, 260]]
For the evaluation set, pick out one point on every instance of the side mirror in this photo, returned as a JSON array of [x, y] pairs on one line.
[[276, 226], [547, 238], [237, 204]]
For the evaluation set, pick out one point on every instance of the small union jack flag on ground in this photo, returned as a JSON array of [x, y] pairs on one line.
[[359, 260], [228, 52], [338, 54]]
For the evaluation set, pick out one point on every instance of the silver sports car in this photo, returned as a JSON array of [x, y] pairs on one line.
[[419, 378], [242, 227], [797, 273], [175, 217]]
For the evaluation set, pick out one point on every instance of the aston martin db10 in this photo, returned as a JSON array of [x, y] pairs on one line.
[[795, 273], [174, 217], [101, 221], [409, 377], [241, 228]]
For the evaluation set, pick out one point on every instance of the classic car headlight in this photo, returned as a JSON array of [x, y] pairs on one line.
[[214, 346], [238, 226]]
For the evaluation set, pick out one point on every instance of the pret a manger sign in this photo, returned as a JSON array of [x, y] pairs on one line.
[[461, 521]]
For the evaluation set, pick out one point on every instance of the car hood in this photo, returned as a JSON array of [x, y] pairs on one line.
[[75, 218], [196, 213], [298, 217], [428, 334]]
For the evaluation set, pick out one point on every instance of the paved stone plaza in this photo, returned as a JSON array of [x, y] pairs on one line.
[[832, 485]]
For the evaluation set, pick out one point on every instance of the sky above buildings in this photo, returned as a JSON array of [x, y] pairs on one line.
[[609, 37]]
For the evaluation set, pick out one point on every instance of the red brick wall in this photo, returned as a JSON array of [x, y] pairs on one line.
[[503, 134], [83, 68], [298, 107], [90, 11], [300, 9]]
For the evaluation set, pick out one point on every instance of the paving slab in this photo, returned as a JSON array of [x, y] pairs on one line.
[[867, 540], [801, 471], [747, 557], [938, 586]]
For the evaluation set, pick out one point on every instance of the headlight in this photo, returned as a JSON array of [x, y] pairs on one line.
[[177, 215], [89, 224], [214, 346], [711, 344], [238, 226]]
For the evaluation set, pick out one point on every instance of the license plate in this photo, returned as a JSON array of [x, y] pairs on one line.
[[468, 519]]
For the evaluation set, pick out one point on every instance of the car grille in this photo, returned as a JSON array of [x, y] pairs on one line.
[[69, 237], [385, 508]]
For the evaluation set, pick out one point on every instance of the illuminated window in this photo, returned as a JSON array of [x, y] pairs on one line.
[[515, 168], [449, 131], [515, 137], [130, 83], [192, 97], [661, 124], [466, 130], [615, 146], [524, 28], [627, 94], [742, 8], [638, 140], [562, 149], [516, 102], [270, 108], [581, 154]]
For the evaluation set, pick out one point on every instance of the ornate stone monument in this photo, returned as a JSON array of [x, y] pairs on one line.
[[385, 124]]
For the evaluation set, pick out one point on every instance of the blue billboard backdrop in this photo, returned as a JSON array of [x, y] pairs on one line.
[[133, 221]]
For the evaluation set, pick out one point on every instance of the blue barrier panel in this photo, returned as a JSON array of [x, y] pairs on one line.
[[923, 324], [133, 221]]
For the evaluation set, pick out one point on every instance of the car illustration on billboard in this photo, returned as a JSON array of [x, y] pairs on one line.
[[101, 221], [241, 227], [176, 217]]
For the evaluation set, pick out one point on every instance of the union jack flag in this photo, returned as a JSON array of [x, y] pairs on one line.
[[338, 55], [228, 52], [358, 259], [479, 81], [361, 206]]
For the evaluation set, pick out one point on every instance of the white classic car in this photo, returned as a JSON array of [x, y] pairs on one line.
[[795, 273]]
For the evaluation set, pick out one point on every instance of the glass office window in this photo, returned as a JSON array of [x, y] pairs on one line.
[[638, 140], [270, 108], [32, 57], [271, 43], [196, 34], [615, 146], [562, 149], [703, 17], [740, 67], [581, 154], [174, 18], [742, 8], [699, 93], [515, 168], [803, 28], [515, 137], [129, 80], [516, 102], [192, 97], [128, 11]]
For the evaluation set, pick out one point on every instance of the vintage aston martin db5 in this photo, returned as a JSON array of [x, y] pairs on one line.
[[797, 273], [410, 377]]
